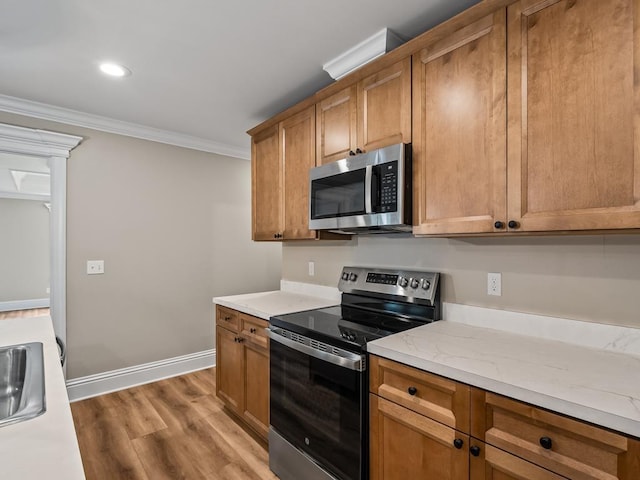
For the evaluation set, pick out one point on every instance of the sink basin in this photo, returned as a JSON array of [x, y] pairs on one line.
[[21, 383]]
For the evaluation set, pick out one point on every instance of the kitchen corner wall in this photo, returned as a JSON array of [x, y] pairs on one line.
[[591, 278], [173, 226]]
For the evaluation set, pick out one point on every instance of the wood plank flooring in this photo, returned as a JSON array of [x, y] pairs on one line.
[[172, 429], [33, 312]]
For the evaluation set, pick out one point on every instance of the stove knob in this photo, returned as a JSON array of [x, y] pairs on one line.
[[414, 283], [345, 276], [403, 282], [353, 277], [426, 284]]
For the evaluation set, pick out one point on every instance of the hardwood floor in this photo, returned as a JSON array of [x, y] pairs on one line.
[[172, 429], [33, 312]]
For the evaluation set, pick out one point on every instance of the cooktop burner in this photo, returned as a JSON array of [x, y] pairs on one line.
[[375, 303]]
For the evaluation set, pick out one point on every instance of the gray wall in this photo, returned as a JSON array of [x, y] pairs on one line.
[[174, 229], [24, 250], [592, 278]]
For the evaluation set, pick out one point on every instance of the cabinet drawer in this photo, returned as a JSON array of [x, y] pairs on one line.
[[227, 318], [436, 397], [253, 330], [569, 447]]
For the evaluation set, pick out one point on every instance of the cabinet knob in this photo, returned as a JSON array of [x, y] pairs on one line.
[[458, 443], [252, 330], [351, 153], [546, 443], [359, 151], [499, 224], [226, 319], [275, 235], [474, 450], [412, 390], [513, 224]]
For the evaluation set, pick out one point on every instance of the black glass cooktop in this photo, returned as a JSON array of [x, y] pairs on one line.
[[350, 327]]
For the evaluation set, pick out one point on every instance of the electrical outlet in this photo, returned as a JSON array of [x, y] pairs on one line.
[[95, 267], [312, 269], [494, 284]]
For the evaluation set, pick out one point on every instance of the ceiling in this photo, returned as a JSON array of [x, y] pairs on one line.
[[207, 69]]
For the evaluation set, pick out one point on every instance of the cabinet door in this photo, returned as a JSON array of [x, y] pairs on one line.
[[256, 381], [298, 136], [336, 126], [436, 397], [573, 114], [406, 445], [229, 369], [459, 134], [494, 464], [560, 444], [266, 185], [384, 107]]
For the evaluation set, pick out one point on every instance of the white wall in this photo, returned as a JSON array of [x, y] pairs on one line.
[[173, 226], [592, 278], [24, 250]]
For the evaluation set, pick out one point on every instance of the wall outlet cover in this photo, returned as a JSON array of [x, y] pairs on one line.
[[494, 284], [95, 267]]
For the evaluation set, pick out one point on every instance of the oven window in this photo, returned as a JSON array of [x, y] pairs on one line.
[[316, 406], [339, 195]]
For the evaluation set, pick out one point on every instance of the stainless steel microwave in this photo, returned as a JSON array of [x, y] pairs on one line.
[[366, 193]]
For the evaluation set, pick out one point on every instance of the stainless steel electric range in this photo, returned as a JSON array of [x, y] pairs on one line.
[[318, 370]]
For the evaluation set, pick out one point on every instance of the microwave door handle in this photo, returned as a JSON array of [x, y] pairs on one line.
[[368, 173]]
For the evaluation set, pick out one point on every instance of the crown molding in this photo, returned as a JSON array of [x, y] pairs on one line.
[[104, 124], [373, 47], [36, 142]]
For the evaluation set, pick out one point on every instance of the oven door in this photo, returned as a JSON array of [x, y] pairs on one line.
[[317, 402]]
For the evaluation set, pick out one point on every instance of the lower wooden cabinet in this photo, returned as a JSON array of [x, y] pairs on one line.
[[418, 429], [242, 367], [406, 445], [491, 463]]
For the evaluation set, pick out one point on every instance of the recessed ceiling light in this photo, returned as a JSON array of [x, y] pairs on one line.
[[114, 69]]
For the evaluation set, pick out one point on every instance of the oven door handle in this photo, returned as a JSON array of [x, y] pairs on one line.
[[353, 361]]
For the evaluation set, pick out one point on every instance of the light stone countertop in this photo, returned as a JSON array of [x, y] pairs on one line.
[[45, 446], [592, 384], [267, 304]]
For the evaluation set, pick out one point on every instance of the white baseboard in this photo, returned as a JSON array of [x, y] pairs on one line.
[[24, 304], [114, 380]]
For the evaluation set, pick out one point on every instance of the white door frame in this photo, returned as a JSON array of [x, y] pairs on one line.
[[55, 147]]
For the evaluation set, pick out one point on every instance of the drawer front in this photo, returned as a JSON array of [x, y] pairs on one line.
[[253, 330], [227, 318], [438, 398], [569, 447]]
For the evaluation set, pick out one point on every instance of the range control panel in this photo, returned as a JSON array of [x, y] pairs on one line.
[[404, 283]]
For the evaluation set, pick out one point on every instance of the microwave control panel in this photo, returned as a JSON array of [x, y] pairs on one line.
[[389, 187]]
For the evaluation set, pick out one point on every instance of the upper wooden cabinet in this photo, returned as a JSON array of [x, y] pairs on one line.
[[281, 157], [266, 185], [573, 126], [459, 137], [523, 117], [297, 137], [336, 126], [373, 113]]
